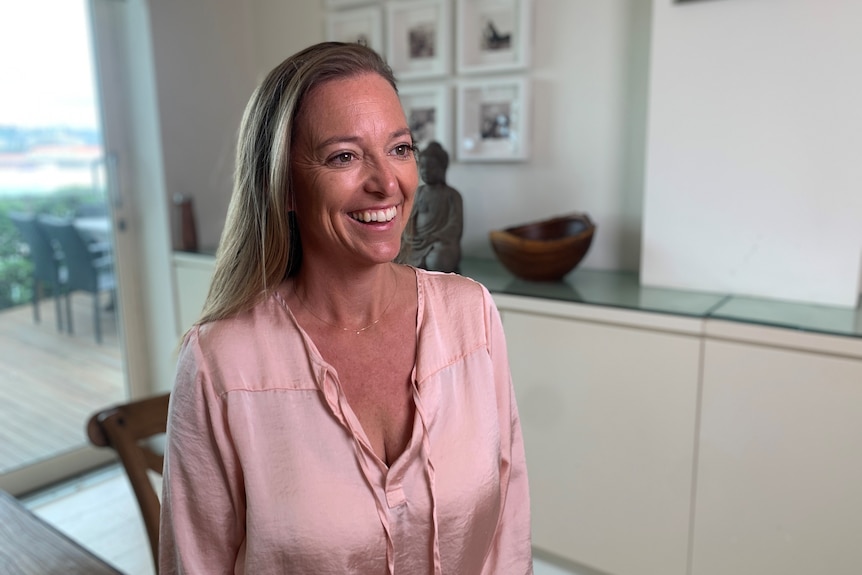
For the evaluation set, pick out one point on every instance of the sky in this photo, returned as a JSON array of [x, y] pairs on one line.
[[46, 71]]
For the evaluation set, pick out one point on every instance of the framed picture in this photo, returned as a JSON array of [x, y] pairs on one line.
[[418, 38], [339, 4], [493, 35], [493, 119], [360, 25], [427, 108]]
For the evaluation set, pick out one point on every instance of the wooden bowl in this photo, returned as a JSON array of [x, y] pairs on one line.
[[546, 250]]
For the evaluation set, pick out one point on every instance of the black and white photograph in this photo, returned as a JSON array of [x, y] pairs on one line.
[[493, 119], [418, 39], [492, 35], [427, 108], [496, 31], [422, 38], [423, 123], [359, 25]]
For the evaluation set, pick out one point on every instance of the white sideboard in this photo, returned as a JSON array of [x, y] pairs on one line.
[[779, 480], [664, 445], [608, 405], [192, 275]]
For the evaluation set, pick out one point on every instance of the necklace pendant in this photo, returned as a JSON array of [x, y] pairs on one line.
[[347, 329]]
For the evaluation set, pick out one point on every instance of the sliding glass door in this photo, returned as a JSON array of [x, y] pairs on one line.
[[62, 337]]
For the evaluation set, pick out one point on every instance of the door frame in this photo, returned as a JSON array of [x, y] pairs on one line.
[[142, 239]]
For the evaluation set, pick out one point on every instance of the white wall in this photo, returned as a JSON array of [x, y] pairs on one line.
[[210, 55], [589, 76], [589, 90], [754, 147], [283, 28], [753, 135], [205, 64]]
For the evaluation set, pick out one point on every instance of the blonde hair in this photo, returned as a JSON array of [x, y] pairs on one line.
[[260, 244]]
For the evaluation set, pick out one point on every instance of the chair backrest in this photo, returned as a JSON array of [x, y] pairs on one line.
[[92, 209], [130, 429], [45, 259], [78, 257]]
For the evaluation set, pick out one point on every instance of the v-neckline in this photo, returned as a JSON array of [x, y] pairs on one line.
[[354, 425]]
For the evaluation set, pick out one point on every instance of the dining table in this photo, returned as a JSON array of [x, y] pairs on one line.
[[29, 546]]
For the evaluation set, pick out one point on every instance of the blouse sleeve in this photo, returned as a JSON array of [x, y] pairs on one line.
[[511, 550], [203, 508]]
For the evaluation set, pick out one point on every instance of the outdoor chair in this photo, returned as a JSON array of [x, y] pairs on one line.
[[97, 242], [48, 268], [132, 429], [86, 270], [92, 209]]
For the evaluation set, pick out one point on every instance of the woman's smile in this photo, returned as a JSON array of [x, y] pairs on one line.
[[375, 215]]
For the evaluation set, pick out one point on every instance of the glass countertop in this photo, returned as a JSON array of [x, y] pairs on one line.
[[623, 290]]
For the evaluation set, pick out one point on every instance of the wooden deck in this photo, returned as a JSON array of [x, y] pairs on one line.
[[50, 382]]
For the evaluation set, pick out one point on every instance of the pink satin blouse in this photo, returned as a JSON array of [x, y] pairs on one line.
[[268, 470]]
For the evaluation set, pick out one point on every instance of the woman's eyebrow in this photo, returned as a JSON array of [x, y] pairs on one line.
[[401, 133]]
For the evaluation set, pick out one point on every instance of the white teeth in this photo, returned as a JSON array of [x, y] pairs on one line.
[[375, 215]]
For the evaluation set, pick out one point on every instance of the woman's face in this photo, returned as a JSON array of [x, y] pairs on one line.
[[353, 171]]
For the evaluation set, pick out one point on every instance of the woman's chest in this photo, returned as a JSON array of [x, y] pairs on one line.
[[308, 484], [375, 377]]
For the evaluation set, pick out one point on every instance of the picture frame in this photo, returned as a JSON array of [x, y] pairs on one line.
[[362, 25], [418, 39], [493, 35], [493, 119], [428, 111]]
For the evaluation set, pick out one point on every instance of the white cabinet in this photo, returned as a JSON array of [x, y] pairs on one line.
[[608, 403], [779, 482], [192, 275]]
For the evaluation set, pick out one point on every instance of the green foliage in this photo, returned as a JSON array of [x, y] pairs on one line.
[[15, 269], [15, 282]]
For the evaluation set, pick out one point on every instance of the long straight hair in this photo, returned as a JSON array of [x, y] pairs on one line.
[[260, 244]]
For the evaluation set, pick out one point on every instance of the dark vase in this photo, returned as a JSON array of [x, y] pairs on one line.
[[187, 234]]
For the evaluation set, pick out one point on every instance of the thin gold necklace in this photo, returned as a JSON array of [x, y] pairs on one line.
[[356, 331]]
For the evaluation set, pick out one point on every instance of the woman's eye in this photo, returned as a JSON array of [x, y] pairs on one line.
[[403, 150], [342, 158]]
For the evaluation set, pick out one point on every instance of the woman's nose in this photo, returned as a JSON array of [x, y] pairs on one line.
[[381, 177]]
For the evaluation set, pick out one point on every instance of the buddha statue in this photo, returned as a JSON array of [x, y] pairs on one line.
[[432, 239]]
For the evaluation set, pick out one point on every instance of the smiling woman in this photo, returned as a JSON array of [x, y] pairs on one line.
[[342, 412]]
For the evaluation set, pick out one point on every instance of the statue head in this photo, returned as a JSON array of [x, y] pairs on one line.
[[433, 162]]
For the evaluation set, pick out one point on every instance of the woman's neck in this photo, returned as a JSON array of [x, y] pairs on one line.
[[350, 300]]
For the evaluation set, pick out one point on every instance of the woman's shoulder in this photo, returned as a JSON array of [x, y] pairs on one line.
[[455, 319], [241, 347], [238, 329], [219, 342], [454, 300], [450, 284]]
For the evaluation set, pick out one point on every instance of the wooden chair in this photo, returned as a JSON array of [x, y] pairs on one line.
[[129, 429]]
